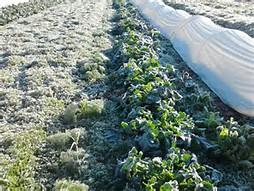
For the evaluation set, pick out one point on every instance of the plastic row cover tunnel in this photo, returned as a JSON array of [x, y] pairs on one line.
[[4, 3], [223, 58]]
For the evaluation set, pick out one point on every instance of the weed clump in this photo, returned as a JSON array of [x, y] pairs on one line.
[[72, 162], [53, 106], [118, 3], [93, 108], [92, 66], [92, 75], [70, 114], [69, 185], [20, 171], [92, 70], [16, 60], [68, 139], [59, 140], [6, 77]]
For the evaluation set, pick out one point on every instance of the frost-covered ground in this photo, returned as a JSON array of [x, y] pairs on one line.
[[230, 14], [38, 56], [39, 78]]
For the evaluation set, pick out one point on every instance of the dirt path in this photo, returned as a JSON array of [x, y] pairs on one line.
[[39, 60]]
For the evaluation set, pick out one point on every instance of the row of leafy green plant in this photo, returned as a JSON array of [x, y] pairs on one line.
[[168, 116]]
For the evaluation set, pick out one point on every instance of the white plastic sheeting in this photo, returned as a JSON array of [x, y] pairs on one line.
[[4, 3], [223, 58]]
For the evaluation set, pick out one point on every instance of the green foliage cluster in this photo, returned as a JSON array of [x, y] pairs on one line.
[[177, 171], [20, 171], [236, 142]]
